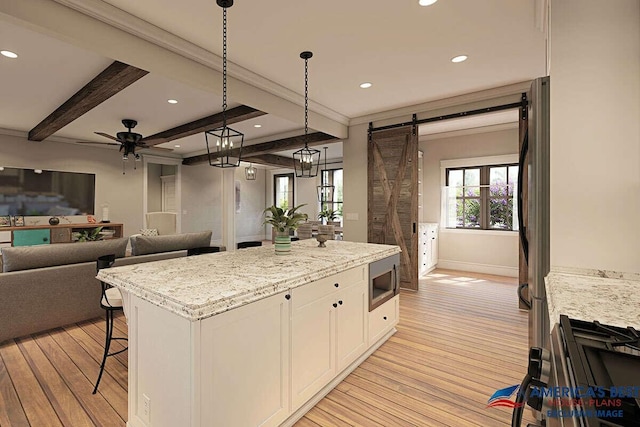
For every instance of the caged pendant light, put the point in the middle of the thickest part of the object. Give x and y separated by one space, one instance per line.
325 190
306 160
250 173
224 145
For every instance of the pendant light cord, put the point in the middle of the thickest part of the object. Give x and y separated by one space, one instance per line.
306 101
224 67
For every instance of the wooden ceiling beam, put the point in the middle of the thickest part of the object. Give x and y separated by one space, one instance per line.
234 115
110 81
292 143
271 160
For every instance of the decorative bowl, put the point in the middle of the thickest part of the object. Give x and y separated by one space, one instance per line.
321 238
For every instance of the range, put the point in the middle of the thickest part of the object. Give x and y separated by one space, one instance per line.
591 378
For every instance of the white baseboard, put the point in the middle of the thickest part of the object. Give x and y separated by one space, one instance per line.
498 270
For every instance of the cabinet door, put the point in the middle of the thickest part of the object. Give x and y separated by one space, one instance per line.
246 382
312 344
34 237
351 323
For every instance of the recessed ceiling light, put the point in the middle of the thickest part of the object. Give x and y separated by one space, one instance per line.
172 101
365 85
8 54
459 58
38 171
177 146
426 2
257 126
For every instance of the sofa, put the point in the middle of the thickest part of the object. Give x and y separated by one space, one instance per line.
48 286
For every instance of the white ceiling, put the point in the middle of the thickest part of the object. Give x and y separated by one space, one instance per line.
402 48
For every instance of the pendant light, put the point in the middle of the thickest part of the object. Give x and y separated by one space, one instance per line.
306 160
224 145
325 190
250 173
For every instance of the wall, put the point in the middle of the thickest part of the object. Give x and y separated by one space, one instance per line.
252 203
595 134
154 187
202 200
493 252
123 193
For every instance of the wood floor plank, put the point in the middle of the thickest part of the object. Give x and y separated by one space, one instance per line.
64 402
306 422
37 407
325 419
96 406
112 390
370 412
11 412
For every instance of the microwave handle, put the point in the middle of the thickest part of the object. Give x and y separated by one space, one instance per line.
395 280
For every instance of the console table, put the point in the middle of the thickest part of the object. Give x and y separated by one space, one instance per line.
46 234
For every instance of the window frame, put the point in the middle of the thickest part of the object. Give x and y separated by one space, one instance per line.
334 204
292 182
474 163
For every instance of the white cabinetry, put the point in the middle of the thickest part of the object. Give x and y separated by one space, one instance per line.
428 247
328 330
247 384
383 319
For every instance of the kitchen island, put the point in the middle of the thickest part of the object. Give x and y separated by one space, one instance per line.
248 338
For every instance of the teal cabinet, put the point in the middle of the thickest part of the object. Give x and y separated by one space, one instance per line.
40 236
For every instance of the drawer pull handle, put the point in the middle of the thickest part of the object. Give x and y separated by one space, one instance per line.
287 296
385 317
340 302
335 305
336 284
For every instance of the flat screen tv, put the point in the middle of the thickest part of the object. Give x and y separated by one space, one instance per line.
46 193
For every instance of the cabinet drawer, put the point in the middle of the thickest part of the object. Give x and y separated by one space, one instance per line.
5 236
31 237
308 293
60 235
383 318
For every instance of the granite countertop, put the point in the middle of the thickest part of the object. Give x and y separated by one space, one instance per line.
608 297
201 286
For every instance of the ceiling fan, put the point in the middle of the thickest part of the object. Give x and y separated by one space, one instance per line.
128 141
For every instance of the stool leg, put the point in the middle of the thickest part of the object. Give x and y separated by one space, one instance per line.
107 344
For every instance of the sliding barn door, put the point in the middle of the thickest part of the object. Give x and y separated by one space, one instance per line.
393 196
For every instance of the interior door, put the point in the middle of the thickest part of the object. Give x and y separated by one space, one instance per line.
393 196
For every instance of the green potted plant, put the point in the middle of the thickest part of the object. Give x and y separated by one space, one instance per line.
89 234
282 221
327 214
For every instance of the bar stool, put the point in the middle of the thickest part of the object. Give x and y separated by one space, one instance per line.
111 302
252 244
203 250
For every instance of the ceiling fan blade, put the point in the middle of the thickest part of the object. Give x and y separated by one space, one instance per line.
106 135
153 147
97 143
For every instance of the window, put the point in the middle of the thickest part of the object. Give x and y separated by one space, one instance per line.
333 177
283 190
482 197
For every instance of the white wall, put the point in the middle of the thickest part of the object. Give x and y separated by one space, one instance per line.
202 200
252 203
354 155
485 251
595 134
123 193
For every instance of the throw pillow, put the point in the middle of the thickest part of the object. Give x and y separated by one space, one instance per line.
149 231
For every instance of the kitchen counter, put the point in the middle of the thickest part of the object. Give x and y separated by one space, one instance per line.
201 286
609 297
248 338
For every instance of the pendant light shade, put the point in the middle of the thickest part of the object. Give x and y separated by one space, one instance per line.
250 173
224 145
306 160
325 190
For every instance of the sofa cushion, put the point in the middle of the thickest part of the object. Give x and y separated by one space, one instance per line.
29 257
143 245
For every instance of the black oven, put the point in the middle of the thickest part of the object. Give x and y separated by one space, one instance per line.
384 280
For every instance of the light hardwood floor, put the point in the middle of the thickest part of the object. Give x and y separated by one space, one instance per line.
460 337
